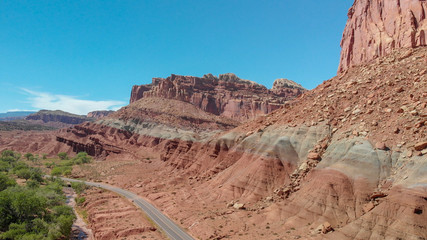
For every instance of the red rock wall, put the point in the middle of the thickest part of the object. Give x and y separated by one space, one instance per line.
376 27
236 100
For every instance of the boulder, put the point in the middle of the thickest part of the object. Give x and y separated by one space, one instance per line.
420 146
239 206
314 156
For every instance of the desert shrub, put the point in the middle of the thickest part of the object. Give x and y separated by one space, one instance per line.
80 200
36 175
78 187
50 165
67 172
56 171
82 157
33 184
62 155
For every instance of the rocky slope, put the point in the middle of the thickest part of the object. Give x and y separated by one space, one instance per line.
376 27
226 95
351 153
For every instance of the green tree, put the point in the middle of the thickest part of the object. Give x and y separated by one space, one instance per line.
62 155
4 166
6 181
8 153
19 165
24 173
82 157
29 156
37 175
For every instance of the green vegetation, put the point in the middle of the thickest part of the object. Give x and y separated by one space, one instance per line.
35 210
64 167
78 187
62 155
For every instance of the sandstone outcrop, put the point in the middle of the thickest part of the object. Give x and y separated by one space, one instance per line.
99 114
226 95
376 27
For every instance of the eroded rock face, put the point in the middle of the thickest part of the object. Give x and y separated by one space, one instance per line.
99 114
376 27
226 95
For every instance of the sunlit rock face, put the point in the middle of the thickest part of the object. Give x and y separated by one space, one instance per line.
376 27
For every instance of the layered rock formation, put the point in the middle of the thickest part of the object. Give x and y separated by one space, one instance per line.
226 95
99 114
57 119
146 122
376 27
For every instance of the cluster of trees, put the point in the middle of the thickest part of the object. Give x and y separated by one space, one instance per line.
65 166
36 210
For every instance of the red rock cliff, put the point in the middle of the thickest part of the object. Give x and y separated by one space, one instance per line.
226 95
376 27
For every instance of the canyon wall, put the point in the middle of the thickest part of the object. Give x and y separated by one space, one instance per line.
376 27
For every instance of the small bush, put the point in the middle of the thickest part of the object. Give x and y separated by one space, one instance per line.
62 155
79 187
80 200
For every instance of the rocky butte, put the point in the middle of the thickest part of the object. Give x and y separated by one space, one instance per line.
226 95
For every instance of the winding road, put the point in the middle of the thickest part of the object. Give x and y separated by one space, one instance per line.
171 229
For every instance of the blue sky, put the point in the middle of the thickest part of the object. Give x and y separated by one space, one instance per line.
79 56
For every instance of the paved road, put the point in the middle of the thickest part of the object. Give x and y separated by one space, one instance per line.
171 229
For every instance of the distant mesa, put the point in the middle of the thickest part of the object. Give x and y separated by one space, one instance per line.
15 115
57 118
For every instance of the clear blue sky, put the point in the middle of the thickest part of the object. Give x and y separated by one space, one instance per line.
80 55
